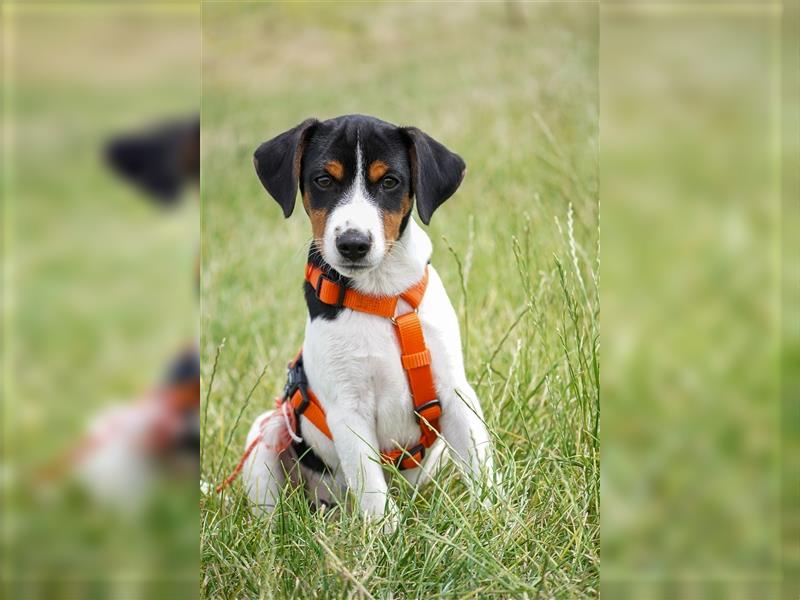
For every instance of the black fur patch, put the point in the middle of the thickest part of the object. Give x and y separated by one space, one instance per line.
437 172
161 160
184 368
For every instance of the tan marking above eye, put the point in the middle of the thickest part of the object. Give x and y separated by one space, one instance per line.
377 170
335 169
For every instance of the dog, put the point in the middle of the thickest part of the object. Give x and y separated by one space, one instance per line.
129 445
359 178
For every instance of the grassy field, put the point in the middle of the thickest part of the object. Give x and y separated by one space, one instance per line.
513 89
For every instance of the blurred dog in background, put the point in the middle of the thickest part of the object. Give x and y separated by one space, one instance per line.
128 445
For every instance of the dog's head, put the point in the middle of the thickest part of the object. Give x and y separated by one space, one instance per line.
159 160
358 177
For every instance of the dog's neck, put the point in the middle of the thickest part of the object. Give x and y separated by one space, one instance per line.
401 267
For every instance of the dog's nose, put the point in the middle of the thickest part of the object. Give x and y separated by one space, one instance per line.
353 244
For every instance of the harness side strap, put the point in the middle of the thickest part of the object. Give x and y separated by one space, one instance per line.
416 292
311 411
416 361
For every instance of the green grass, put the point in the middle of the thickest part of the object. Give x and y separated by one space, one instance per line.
516 96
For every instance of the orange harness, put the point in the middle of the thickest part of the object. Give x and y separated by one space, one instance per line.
414 355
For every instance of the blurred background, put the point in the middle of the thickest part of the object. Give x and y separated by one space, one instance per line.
99 296
698 164
695 110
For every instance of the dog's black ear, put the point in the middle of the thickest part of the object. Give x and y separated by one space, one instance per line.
436 171
159 160
277 163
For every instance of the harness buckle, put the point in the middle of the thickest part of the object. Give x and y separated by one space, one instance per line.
415 454
342 290
435 408
304 404
296 380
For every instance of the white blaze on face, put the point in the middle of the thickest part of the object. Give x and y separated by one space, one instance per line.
358 211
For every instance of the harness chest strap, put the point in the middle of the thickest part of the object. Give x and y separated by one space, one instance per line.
414 355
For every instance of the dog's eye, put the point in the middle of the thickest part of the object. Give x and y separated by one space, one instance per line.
389 182
323 181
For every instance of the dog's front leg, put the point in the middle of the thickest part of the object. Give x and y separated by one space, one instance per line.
465 432
356 444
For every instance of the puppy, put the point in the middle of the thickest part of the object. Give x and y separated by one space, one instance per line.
128 445
359 178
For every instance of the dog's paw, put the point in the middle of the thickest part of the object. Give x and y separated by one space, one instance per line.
383 513
391 521
496 490
488 491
